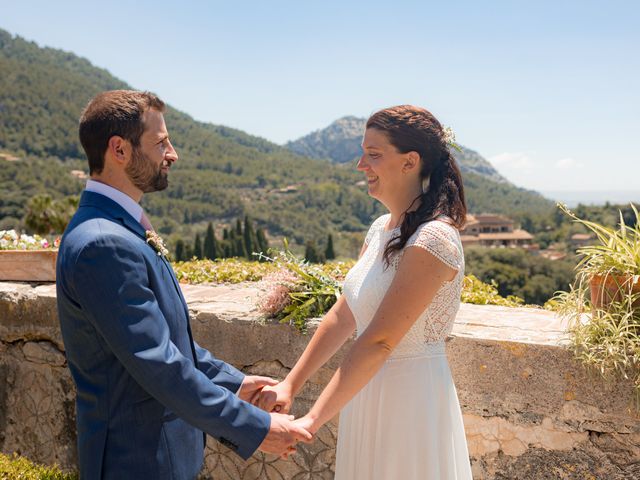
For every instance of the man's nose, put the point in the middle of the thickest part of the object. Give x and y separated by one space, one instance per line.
172 155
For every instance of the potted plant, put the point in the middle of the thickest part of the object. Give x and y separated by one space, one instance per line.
27 258
611 268
603 304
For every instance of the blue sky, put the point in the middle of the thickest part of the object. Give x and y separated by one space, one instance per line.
548 91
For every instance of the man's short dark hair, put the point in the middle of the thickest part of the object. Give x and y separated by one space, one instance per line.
116 112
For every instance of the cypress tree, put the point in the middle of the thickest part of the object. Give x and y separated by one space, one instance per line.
261 239
238 228
238 248
188 252
225 234
329 253
250 241
197 247
180 251
211 249
311 253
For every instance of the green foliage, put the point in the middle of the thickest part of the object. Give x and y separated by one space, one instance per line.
311 254
180 253
230 270
211 247
517 272
479 293
605 332
312 292
197 247
46 216
618 250
16 467
329 253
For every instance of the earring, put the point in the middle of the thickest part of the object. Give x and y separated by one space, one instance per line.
425 184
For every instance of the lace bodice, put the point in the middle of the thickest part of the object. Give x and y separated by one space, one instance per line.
367 282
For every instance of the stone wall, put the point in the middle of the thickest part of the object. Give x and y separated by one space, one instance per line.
530 410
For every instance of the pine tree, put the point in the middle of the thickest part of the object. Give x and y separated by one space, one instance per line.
180 251
197 247
329 253
211 249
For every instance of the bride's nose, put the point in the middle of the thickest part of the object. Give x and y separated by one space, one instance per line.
362 164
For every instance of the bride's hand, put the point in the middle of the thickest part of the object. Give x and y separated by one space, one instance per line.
276 398
308 424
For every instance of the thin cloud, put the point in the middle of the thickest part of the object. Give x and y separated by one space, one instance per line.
518 160
568 164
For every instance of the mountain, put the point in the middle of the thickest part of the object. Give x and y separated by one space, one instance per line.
222 173
340 143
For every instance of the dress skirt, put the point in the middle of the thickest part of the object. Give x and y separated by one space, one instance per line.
405 424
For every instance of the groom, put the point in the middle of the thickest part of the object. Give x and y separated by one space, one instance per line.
146 391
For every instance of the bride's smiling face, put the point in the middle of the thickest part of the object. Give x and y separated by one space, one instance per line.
383 164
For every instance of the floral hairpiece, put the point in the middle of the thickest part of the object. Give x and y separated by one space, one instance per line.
450 138
157 243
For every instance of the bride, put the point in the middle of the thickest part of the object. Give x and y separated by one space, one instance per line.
399 412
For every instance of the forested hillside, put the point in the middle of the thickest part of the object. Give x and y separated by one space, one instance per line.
222 174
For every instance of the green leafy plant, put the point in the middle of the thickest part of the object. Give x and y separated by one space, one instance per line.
17 467
304 292
602 306
477 292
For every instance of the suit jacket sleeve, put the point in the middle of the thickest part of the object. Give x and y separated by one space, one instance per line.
117 298
221 373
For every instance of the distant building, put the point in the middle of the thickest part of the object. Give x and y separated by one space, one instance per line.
582 239
489 230
79 174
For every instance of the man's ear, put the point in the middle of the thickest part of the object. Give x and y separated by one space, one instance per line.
118 149
411 161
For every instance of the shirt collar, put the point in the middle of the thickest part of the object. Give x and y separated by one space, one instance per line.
125 201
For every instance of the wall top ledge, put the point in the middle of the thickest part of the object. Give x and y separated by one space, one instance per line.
238 302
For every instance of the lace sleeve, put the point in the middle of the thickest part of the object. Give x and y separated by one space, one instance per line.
377 224
440 240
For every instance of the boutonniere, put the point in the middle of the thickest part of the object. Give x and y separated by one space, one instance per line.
157 243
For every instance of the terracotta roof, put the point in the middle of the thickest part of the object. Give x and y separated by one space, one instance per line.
582 236
518 234
487 218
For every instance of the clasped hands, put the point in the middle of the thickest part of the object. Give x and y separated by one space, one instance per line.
276 398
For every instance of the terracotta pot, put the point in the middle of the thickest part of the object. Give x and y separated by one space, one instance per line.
28 265
612 288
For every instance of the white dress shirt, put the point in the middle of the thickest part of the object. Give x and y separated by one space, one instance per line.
132 207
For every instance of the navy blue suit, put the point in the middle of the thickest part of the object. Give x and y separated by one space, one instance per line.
145 390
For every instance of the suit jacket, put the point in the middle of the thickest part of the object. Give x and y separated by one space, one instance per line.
145 389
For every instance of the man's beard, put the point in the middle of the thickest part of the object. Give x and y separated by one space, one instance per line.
143 175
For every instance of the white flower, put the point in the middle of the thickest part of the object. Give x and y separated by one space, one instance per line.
448 135
156 242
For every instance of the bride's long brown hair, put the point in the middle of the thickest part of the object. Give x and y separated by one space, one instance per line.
414 129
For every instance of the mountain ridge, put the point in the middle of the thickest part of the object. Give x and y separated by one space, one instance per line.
340 142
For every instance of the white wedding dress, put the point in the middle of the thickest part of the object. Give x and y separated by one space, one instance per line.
406 423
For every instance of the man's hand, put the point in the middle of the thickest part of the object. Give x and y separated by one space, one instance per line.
276 398
252 385
283 436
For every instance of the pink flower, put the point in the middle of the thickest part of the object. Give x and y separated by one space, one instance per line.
279 285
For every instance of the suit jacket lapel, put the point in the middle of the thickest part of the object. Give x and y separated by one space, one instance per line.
112 210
